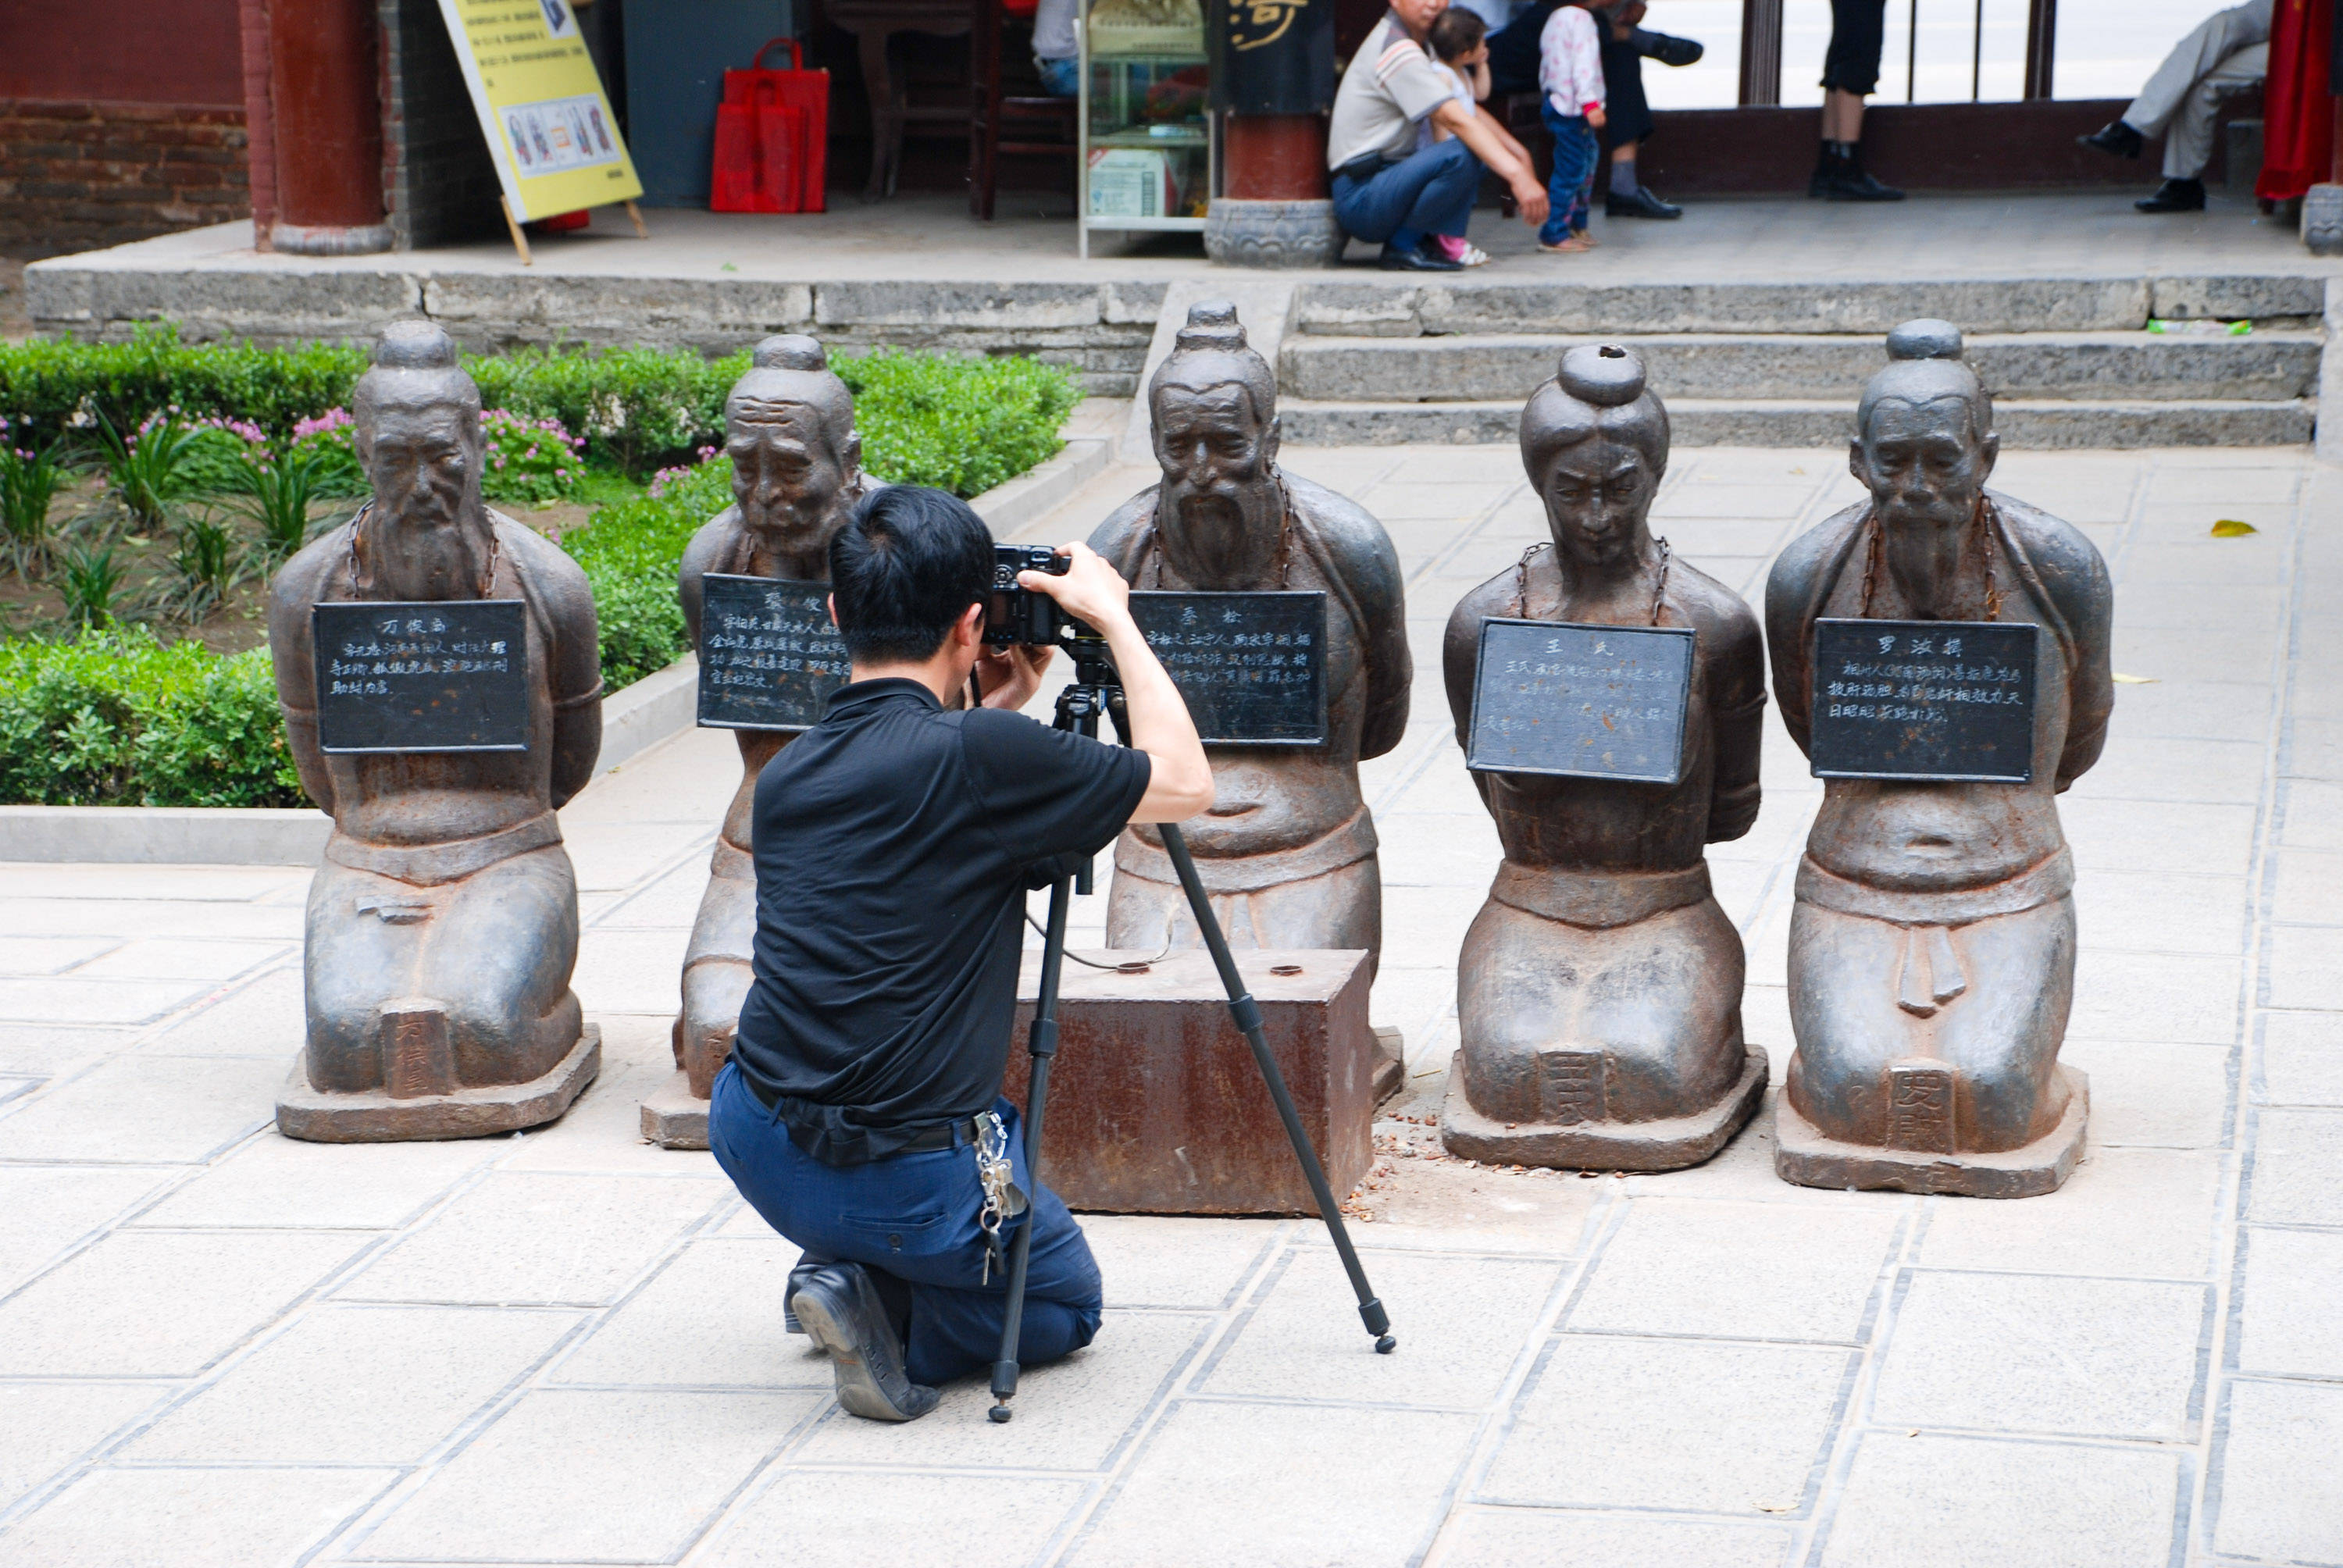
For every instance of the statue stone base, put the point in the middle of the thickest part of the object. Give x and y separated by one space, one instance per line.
674 1117
1274 233
1594 1141
1923 1091
417 1104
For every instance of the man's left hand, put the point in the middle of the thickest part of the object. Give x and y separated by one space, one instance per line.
1009 677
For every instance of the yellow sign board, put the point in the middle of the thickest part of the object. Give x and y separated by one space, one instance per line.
550 126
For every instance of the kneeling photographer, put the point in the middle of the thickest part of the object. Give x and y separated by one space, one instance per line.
895 841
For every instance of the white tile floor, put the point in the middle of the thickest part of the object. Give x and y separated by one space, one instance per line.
216 1346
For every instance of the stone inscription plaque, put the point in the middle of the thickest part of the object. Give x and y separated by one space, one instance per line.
768 656
1585 701
1250 665
1942 699
449 675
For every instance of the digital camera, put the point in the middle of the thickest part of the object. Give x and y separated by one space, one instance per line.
1015 616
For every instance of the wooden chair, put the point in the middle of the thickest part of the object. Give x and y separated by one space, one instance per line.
999 123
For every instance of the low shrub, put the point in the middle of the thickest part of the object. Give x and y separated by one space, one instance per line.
117 718
959 424
630 555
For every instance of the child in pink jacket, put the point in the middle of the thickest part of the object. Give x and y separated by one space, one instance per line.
1570 100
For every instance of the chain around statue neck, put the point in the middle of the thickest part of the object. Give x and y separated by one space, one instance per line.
1284 538
1982 532
1522 580
488 576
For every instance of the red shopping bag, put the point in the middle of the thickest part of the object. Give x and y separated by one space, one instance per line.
803 92
759 159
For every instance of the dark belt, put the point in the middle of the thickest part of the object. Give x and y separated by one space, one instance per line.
1366 165
926 1141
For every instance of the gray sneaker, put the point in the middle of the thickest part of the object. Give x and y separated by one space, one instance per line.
842 1313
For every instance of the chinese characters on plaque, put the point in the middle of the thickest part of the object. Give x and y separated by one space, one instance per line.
1923 700
449 675
1250 665
769 656
1587 701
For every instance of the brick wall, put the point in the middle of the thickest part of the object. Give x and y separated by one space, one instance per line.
438 182
78 175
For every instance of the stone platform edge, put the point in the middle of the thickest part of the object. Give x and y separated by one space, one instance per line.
635 718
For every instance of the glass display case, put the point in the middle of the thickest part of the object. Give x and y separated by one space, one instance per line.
1148 158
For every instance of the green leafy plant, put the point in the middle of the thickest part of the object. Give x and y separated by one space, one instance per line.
204 567
29 483
90 578
630 554
116 717
282 493
148 470
959 424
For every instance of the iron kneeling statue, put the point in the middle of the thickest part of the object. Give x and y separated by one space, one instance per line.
1932 944
1598 994
442 927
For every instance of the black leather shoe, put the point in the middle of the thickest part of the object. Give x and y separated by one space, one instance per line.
2116 138
1852 182
2174 195
1668 49
842 1313
1643 204
797 1276
1394 259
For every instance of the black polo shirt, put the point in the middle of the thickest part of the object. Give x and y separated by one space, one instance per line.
894 845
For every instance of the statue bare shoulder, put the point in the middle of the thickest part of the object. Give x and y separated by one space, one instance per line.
709 549
1790 589
1461 647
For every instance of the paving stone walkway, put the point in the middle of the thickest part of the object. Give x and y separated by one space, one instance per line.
564 1347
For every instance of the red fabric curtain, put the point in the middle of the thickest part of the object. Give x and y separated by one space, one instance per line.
2297 109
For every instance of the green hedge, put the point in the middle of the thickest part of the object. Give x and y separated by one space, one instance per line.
960 424
630 554
117 719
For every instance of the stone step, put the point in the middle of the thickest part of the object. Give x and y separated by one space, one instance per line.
1386 307
2133 366
2030 423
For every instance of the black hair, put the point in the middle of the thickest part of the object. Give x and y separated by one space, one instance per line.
1457 31
904 568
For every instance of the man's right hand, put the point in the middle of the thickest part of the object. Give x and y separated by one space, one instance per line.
1091 590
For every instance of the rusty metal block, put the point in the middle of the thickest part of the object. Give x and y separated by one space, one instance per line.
1155 1104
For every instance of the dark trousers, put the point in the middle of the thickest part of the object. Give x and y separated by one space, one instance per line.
1430 192
914 1217
1858 34
1513 50
1576 150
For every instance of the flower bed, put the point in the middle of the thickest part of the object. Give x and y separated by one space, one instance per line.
113 716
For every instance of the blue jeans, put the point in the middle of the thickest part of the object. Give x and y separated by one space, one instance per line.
1576 150
1430 192
914 1217
1059 78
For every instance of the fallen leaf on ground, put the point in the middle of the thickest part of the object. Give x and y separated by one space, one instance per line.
2230 528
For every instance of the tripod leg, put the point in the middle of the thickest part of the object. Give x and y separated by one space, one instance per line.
1041 1043
1247 1014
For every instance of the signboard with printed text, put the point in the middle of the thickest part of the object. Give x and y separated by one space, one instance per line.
1939 699
548 123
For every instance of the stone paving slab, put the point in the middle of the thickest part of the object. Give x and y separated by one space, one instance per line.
563 1346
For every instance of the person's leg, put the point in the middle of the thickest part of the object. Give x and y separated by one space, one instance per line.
2188 135
1444 204
1574 166
2195 57
956 1327
1397 206
1059 78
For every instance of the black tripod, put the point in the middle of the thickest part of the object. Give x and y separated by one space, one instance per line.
1097 690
